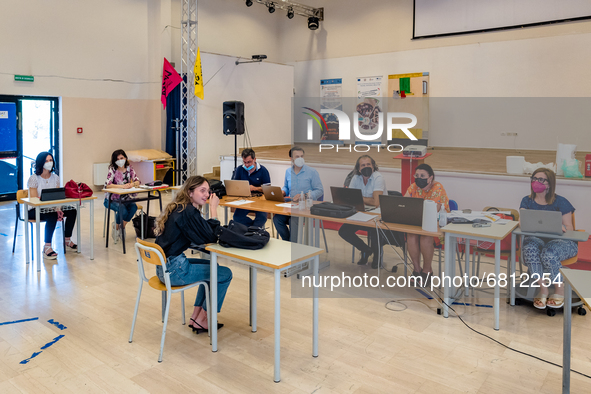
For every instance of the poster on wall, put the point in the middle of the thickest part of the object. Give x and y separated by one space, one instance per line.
410 93
331 91
369 101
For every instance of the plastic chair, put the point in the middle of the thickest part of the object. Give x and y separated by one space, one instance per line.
148 252
20 194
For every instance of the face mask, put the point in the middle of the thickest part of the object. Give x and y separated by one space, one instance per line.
366 171
299 162
422 182
48 165
248 168
120 163
538 187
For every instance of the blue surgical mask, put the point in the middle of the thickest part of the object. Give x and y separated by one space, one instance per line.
248 168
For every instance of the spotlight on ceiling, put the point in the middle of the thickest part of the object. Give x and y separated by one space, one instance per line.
248 3
290 13
313 23
271 8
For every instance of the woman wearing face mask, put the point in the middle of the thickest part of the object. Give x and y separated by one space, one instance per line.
367 178
426 188
46 178
120 176
181 224
544 256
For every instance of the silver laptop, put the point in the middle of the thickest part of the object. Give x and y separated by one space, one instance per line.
237 188
537 221
273 193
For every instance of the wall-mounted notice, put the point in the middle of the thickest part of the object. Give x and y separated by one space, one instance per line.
369 101
8 127
331 92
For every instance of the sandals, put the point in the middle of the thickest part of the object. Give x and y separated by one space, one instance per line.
199 329
541 300
558 301
49 253
415 274
72 245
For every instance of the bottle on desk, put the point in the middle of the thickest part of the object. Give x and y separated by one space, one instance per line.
302 202
309 201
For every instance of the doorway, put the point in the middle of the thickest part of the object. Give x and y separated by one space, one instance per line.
28 125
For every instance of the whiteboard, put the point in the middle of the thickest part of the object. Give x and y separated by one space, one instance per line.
447 17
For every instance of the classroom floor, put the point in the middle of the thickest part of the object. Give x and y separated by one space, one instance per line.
471 160
364 346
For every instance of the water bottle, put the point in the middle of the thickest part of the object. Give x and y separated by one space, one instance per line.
442 217
309 201
302 201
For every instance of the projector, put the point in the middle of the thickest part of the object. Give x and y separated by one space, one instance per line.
415 151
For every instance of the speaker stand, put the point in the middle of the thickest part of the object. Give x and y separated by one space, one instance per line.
235 152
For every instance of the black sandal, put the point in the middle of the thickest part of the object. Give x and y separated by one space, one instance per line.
51 255
200 328
72 245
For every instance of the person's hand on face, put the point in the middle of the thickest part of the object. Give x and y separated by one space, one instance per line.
201 194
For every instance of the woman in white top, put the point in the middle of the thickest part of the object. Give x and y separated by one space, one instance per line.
46 178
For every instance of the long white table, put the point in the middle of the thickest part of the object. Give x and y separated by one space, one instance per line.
277 256
38 205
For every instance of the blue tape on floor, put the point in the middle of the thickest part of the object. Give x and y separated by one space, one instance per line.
424 294
19 321
6 235
48 344
468 304
30 358
57 324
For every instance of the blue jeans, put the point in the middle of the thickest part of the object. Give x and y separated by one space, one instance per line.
260 218
127 210
541 257
184 271
281 222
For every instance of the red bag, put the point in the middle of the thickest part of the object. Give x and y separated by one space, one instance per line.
77 190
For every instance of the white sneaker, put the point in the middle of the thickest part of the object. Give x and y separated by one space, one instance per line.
115 233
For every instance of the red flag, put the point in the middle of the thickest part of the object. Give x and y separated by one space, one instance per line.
170 78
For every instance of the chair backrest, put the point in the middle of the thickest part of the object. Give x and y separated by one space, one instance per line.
20 194
394 193
348 178
453 205
146 251
514 212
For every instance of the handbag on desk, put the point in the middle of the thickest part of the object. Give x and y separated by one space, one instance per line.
237 235
77 190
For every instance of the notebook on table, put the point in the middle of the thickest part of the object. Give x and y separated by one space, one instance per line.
52 194
402 210
273 193
538 221
237 188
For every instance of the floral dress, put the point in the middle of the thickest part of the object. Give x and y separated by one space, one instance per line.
116 177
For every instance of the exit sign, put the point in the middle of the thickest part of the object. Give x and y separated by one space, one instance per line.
26 78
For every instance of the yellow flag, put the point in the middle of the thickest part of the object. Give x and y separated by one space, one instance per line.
198 76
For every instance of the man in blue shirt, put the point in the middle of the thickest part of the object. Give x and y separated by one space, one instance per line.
257 176
298 178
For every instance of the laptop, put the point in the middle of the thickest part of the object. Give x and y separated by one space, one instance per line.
348 196
58 193
402 210
537 221
237 188
273 193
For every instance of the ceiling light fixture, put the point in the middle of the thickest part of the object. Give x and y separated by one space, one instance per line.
313 23
290 13
314 15
271 7
248 3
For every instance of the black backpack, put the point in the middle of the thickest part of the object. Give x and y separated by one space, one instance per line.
237 235
332 210
217 187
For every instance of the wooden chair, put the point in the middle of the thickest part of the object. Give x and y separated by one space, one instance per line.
20 194
148 252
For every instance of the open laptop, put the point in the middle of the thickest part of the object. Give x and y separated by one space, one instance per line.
237 188
273 193
402 210
537 221
51 194
348 196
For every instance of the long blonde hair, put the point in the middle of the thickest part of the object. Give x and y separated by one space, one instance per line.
181 200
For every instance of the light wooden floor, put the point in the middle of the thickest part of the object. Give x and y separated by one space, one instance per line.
364 347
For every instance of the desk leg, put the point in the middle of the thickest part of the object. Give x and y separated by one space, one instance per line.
121 221
300 239
38 236
467 268
253 299
78 231
317 235
27 240
226 215
159 199
92 229
316 264
497 305
213 285
566 337
108 221
447 261
511 273
277 374
310 227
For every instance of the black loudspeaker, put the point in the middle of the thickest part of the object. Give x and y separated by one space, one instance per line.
233 117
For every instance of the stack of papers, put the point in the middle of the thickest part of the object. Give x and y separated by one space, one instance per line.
362 217
287 205
239 202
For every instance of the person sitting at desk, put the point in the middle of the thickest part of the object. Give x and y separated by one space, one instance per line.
367 178
426 188
120 176
298 178
544 256
257 176
45 178
182 224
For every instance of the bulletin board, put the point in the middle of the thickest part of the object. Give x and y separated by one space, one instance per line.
410 93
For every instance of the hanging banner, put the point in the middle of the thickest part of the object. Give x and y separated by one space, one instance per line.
369 98
331 91
170 78
198 76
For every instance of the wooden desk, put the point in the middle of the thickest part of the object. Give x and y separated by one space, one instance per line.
276 256
38 205
580 282
495 233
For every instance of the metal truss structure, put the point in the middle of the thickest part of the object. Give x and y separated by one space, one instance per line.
187 160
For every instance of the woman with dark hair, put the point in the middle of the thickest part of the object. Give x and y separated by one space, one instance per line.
182 224
46 178
427 188
120 176
367 178
544 256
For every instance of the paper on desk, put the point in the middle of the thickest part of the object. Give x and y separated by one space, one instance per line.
239 202
287 205
474 215
361 217
131 189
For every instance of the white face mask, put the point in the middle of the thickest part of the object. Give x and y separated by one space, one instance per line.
48 165
299 162
120 163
